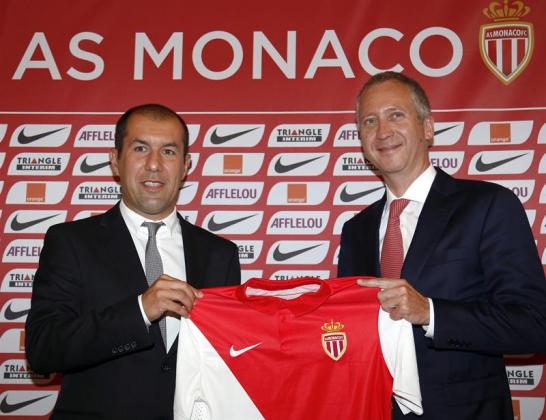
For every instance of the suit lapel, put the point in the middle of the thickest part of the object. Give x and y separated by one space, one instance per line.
191 254
432 222
119 250
370 245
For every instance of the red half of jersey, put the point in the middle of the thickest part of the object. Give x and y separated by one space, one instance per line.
294 349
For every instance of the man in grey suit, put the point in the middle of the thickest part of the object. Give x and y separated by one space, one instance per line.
471 282
94 315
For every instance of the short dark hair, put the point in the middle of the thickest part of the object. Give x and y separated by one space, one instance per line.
154 111
418 95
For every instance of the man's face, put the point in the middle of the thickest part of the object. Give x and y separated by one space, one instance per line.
151 165
393 137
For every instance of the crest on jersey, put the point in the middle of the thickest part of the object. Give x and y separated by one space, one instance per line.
334 341
506 45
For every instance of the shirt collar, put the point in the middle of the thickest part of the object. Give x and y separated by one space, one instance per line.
418 189
133 220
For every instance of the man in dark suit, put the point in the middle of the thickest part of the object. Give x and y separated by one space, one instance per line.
471 282
94 317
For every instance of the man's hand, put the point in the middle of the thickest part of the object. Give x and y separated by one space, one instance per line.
168 295
400 300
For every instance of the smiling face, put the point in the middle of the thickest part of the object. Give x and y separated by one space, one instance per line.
151 165
392 135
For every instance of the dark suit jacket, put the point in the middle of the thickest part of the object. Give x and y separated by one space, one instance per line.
473 253
85 320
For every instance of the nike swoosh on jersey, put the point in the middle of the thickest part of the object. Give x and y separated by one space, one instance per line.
214 227
17 226
24 139
281 169
443 130
6 407
347 197
237 353
481 166
278 255
87 168
216 139
11 315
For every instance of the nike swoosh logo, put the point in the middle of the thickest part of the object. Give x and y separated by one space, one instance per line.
24 139
11 315
6 407
216 139
214 227
17 226
281 169
481 166
283 256
443 130
237 353
87 168
347 197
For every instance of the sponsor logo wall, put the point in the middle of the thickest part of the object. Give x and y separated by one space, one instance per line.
276 162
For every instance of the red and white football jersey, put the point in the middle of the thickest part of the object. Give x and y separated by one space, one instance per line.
294 349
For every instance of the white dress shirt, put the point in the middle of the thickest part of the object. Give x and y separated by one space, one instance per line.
171 248
417 194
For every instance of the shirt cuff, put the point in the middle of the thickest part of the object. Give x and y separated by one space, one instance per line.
146 320
430 327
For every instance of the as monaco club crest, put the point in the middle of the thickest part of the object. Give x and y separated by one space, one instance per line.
334 341
506 46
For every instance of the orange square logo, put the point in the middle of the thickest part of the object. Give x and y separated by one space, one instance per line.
500 133
233 164
296 193
22 340
36 192
517 410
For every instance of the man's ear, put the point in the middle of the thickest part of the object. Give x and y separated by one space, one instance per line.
428 127
114 161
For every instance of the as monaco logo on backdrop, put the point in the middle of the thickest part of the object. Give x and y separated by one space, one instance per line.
233 164
299 135
27 403
525 377
40 135
447 133
501 162
29 192
500 132
33 221
234 135
30 164
95 135
298 164
17 371
93 164
506 46
18 280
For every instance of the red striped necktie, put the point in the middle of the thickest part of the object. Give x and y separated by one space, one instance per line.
392 253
